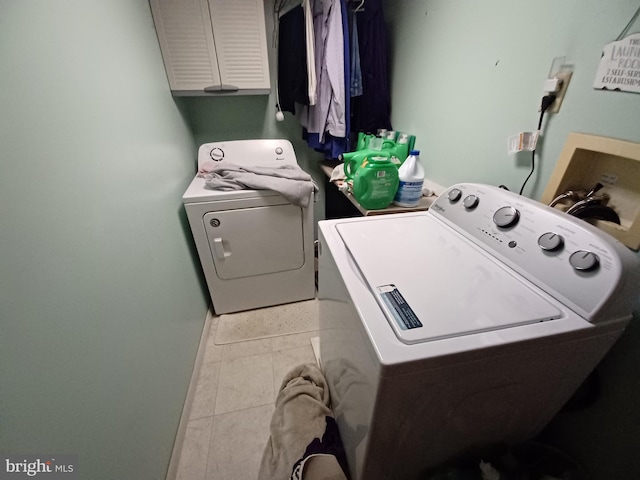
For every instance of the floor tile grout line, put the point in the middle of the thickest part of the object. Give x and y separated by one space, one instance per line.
217 382
223 360
209 445
264 338
242 359
273 378
243 409
244 356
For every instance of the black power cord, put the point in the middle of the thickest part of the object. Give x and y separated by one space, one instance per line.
547 101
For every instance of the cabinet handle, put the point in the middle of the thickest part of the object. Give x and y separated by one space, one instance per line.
221 88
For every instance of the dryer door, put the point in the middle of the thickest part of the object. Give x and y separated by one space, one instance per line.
255 241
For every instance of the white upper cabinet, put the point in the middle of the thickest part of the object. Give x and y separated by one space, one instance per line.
213 46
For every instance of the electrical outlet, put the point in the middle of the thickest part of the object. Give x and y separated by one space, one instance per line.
565 77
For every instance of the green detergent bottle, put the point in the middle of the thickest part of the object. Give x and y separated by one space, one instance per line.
375 183
353 160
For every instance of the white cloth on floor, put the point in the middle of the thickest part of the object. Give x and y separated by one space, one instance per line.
288 180
304 442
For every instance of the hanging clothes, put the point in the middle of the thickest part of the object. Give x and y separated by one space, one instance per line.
372 110
356 72
293 80
326 125
328 115
311 56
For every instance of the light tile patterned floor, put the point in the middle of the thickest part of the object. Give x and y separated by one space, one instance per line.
229 422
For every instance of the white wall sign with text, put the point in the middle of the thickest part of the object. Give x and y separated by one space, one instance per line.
619 67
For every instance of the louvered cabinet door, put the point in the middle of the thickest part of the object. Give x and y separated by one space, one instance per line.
213 46
186 41
240 39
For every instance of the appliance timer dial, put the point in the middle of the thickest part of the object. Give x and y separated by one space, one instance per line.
506 217
216 154
550 241
584 261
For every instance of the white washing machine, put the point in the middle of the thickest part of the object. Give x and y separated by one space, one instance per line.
256 248
470 325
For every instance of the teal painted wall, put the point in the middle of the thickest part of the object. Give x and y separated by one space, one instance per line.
101 301
467 75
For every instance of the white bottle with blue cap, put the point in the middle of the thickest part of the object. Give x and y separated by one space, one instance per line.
411 176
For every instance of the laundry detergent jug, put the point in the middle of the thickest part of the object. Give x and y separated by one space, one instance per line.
353 160
375 183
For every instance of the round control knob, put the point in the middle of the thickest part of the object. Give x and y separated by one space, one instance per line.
584 261
454 195
506 217
470 202
279 150
550 241
216 154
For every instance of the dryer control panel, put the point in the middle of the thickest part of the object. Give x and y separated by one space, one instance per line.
255 153
568 258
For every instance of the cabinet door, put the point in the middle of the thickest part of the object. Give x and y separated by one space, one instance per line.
186 40
240 40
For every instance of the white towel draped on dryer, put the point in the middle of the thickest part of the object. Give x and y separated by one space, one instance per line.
290 181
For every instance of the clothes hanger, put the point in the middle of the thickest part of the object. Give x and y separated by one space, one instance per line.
360 7
280 7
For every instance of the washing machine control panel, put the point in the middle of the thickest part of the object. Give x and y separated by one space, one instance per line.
561 254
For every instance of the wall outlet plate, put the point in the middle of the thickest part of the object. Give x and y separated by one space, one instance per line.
565 76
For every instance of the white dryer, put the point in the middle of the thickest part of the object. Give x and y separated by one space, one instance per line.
470 325
255 247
